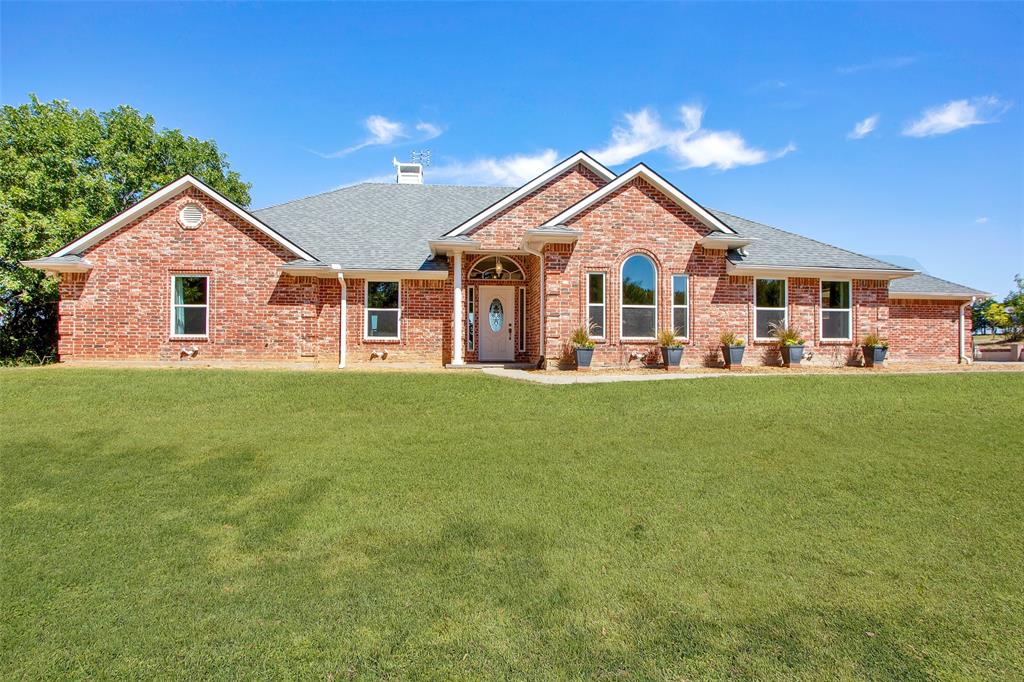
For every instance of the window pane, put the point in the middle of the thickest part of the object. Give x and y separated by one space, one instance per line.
596 315
596 288
638 281
382 323
771 293
765 319
382 294
835 324
679 322
835 294
190 290
638 322
189 320
680 284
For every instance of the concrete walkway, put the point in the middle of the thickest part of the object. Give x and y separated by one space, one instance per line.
572 377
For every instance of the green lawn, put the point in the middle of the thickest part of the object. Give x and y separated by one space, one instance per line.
328 525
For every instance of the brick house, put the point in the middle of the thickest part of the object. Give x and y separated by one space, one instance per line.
433 274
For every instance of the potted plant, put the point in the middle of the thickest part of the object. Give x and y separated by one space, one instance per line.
874 348
583 347
791 344
732 348
671 349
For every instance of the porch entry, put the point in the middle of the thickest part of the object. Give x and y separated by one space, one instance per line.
497 322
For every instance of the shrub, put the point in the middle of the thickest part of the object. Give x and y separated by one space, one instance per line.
581 337
667 339
787 336
731 339
873 340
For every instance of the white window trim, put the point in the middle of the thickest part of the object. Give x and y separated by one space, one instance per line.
623 306
822 309
175 306
784 308
368 310
521 319
604 298
672 320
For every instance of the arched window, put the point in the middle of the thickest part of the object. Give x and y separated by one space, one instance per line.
496 267
639 298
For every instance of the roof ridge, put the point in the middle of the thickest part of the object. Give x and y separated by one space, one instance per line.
317 194
816 241
378 184
946 281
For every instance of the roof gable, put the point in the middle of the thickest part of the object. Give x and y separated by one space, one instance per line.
659 183
580 157
158 197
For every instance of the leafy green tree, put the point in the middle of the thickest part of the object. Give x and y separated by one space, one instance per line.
979 321
1013 307
62 173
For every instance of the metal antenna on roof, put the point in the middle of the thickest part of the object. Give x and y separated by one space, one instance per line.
421 157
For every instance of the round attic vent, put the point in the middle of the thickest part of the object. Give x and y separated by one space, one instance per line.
190 216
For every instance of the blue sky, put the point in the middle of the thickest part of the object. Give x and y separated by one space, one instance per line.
883 128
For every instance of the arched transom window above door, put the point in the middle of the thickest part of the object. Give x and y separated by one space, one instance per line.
496 267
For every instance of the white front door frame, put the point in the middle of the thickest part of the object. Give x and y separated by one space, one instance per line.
497 346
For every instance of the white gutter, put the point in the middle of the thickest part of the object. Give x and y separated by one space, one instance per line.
342 322
963 337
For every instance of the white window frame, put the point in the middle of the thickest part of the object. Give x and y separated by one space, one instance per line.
521 319
604 299
672 319
822 309
367 310
471 318
623 306
784 308
175 306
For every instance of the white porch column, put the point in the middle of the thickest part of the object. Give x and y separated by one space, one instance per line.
342 321
457 344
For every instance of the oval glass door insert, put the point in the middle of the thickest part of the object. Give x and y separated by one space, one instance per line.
496 315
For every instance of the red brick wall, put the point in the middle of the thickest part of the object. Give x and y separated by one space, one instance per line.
122 308
927 330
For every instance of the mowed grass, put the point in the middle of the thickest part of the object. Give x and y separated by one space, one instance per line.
332 525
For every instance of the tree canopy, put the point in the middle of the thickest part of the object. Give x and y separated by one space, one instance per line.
65 171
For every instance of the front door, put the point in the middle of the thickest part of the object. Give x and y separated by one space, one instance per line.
496 319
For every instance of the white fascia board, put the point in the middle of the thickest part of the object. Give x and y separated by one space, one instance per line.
386 275
163 194
713 242
49 266
553 172
933 296
740 270
659 182
447 246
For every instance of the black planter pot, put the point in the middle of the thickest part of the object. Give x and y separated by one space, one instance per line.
733 355
584 356
672 357
874 355
792 355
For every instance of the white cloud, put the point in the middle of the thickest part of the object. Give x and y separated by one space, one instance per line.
982 220
511 170
429 130
691 145
959 113
885 64
382 131
863 128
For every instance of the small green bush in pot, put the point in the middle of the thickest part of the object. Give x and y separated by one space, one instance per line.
791 344
583 347
875 349
671 349
732 348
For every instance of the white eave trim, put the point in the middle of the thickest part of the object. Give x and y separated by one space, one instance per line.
162 195
49 266
659 182
717 240
553 172
390 274
935 296
741 270
539 236
446 246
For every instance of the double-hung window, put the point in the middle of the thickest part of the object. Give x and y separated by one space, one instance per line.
639 318
681 306
835 311
191 312
769 306
595 304
383 310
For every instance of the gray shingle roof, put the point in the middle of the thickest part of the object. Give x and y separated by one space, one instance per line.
775 247
378 226
375 226
926 284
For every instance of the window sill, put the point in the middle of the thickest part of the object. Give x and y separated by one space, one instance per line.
188 337
382 339
638 339
836 342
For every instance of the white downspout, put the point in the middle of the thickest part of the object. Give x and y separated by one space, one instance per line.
963 335
457 345
342 322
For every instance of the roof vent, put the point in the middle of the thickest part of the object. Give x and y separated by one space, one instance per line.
190 216
407 173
